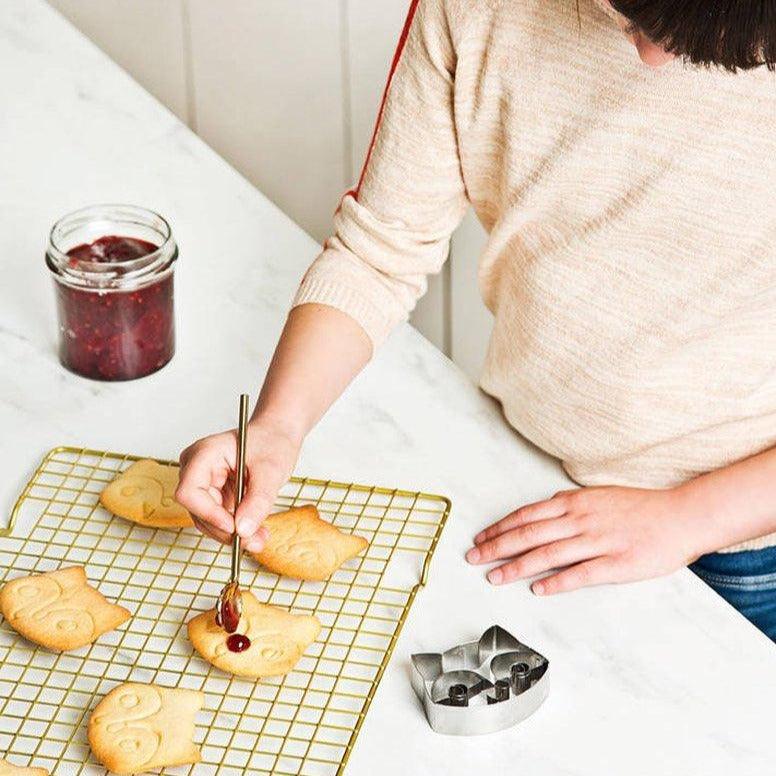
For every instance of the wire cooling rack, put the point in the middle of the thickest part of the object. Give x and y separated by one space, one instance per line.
302 724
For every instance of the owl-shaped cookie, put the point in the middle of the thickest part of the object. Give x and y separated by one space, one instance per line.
303 546
6 769
59 609
278 639
144 494
140 727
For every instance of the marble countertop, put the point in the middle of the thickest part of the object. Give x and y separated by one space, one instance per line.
660 677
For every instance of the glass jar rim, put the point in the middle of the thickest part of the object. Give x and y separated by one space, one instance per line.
116 276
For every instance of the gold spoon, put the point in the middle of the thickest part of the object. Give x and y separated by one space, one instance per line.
229 604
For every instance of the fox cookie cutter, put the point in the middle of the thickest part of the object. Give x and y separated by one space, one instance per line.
481 686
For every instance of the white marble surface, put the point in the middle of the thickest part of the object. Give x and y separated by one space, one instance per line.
656 678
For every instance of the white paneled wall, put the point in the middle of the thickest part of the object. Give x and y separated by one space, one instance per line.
373 31
146 37
268 96
470 322
287 91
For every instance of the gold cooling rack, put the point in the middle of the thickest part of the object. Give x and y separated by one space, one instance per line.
305 723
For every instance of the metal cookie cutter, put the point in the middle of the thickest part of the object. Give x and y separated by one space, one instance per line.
481 686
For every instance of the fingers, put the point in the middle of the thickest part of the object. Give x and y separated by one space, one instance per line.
541 510
206 460
227 496
204 472
253 510
265 480
258 540
550 556
520 540
592 572
218 497
204 507
255 545
211 531
207 487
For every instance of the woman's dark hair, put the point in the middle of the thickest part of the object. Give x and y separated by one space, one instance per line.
734 34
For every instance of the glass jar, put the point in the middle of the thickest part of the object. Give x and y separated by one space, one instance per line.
112 267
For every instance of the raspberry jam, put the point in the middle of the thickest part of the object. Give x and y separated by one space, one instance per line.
229 619
114 291
111 249
237 643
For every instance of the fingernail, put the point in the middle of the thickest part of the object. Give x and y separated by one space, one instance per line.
495 577
538 588
246 529
473 555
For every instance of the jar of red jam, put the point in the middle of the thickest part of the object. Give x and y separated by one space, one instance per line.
113 276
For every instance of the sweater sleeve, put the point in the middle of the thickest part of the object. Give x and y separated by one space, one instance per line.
394 229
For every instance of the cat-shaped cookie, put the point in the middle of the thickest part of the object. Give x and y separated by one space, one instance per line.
144 494
139 727
59 610
303 546
6 769
278 639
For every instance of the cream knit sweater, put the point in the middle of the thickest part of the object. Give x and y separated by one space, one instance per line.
631 260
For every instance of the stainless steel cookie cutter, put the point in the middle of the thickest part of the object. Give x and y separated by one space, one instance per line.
481 686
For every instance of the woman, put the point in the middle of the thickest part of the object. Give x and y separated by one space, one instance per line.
630 267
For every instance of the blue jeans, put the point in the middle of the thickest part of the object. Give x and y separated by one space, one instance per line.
746 580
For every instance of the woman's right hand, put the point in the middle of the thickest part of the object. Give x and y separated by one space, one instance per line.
320 351
207 480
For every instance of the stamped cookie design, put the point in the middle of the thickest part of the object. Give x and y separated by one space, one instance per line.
59 610
277 639
6 769
303 546
144 494
139 727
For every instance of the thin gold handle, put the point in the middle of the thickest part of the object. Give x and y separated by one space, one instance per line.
242 433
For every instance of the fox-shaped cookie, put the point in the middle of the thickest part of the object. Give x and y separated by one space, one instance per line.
7 769
139 727
59 610
303 546
145 494
278 639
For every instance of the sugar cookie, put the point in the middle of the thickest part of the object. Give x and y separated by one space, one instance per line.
139 727
6 769
144 494
59 609
303 546
278 639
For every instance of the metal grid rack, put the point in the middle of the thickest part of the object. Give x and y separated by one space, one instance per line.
302 724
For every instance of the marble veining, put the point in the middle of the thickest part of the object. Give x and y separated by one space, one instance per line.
651 679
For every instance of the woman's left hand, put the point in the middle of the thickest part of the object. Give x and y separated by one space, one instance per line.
594 535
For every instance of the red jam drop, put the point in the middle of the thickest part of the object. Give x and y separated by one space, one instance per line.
237 643
229 619
116 335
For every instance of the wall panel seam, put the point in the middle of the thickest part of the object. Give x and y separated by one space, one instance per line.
188 67
347 97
